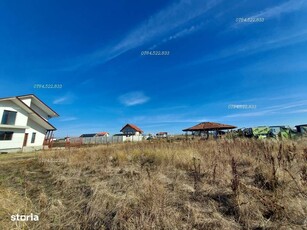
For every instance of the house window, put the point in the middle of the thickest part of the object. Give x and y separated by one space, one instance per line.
8 117
33 137
6 136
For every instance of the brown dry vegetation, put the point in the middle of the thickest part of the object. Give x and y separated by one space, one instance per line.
228 184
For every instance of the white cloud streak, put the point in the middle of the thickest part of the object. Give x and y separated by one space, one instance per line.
274 12
66 99
275 42
165 119
65 119
167 21
287 7
60 100
273 110
133 98
186 31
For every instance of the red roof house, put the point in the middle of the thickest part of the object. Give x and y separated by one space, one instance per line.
102 134
130 129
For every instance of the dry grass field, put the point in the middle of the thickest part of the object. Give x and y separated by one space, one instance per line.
225 184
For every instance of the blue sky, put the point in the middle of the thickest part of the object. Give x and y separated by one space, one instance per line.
93 48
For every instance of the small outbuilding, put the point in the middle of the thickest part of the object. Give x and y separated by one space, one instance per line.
161 134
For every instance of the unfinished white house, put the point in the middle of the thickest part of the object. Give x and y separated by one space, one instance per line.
131 130
132 133
24 124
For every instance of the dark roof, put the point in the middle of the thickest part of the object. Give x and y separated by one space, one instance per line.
207 126
119 135
301 125
161 133
88 135
133 127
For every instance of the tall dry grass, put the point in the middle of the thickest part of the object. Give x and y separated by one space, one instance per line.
225 184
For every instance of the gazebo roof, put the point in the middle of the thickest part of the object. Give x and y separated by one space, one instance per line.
209 126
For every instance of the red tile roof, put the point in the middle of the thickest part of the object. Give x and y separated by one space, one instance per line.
102 133
207 126
133 127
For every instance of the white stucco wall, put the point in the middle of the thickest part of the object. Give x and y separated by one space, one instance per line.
40 133
21 116
39 111
16 142
18 134
133 138
27 101
23 124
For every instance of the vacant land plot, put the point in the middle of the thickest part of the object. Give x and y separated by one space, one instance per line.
225 184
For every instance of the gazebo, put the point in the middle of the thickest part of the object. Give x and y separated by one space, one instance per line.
204 128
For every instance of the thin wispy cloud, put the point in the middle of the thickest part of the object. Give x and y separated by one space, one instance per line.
297 111
184 32
133 98
257 100
60 100
165 21
65 119
63 100
274 12
165 118
283 8
249 48
273 110
286 64
168 21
